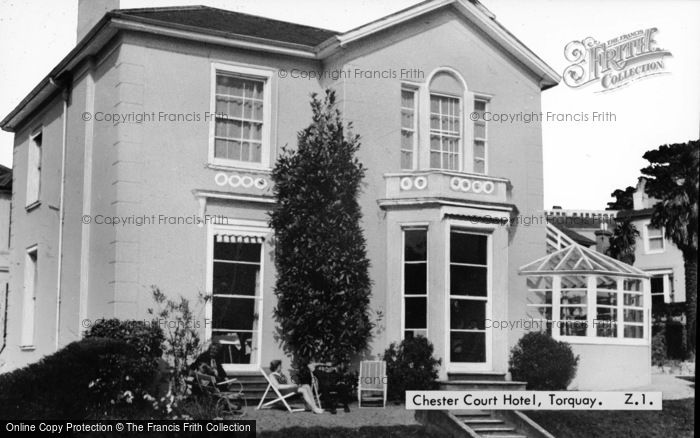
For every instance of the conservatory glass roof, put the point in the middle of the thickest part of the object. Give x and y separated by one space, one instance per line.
577 259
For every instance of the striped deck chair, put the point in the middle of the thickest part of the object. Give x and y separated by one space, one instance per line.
372 380
280 398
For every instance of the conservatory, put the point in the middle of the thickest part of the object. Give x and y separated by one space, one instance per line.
601 307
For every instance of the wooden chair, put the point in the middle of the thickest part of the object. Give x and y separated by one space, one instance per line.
372 379
231 402
280 398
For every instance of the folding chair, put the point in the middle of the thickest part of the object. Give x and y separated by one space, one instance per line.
280 398
227 401
372 379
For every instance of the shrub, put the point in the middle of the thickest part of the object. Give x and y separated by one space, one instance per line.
87 379
410 366
542 362
146 338
658 349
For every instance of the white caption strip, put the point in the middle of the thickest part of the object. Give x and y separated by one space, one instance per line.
534 400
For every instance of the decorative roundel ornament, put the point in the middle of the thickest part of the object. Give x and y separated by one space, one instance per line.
477 186
247 182
455 183
234 181
260 183
465 185
420 183
406 183
488 187
221 179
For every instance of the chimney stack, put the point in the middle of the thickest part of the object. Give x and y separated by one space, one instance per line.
602 238
92 11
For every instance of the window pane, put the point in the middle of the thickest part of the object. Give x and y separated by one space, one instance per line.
416 311
233 313
633 300
415 242
479 130
242 252
235 279
607 298
468 248
415 278
654 232
633 315
479 149
574 321
468 280
657 284
573 297
467 347
539 297
479 106
655 244
234 352
468 314
606 322
479 166
407 98
406 160
632 285
634 331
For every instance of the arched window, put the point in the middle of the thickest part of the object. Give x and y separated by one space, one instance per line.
446 130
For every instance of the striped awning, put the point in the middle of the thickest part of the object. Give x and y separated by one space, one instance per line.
238 238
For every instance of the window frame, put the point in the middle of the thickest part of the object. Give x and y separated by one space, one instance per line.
31 269
34 164
648 238
667 277
414 152
404 329
462 127
241 227
487 101
591 336
251 73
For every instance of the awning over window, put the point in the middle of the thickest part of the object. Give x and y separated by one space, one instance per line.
237 238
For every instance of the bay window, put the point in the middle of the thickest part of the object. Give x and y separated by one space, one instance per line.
415 282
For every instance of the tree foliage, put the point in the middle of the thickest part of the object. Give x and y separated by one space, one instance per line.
623 242
673 180
323 285
623 199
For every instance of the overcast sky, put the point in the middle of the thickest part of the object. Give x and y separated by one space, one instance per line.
584 162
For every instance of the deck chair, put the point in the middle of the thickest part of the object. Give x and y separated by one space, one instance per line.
280 398
231 402
372 379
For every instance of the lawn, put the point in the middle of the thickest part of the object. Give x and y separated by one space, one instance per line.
675 420
346 432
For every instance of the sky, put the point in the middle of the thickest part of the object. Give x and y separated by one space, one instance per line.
583 161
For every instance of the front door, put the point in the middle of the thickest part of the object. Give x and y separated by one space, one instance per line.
469 343
237 299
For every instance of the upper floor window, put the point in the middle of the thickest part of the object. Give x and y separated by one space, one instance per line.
409 129
34 169
446 128
654 241
242 110
480 135
445 132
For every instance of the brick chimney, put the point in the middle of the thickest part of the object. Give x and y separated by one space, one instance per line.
602 238
90 12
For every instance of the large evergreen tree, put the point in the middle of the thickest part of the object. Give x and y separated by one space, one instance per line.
673 180
323 285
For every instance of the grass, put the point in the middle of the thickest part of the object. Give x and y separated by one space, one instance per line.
344 432
676 420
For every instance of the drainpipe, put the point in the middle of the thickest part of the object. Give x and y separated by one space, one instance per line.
66 95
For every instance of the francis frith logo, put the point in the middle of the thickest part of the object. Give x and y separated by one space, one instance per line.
614 63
